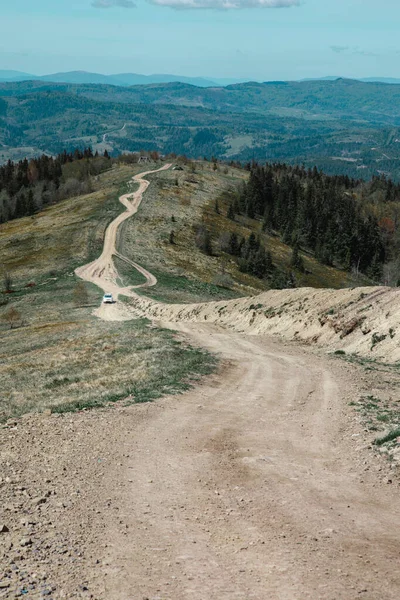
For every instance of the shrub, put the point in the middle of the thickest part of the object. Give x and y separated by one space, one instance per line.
203 240
392 435
80 294
13 318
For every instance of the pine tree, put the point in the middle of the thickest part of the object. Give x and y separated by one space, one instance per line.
297 261
20 206
259 264
231 213
233 245
291 280
30 204
203 240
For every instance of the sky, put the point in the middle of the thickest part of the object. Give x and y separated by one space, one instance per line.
260 40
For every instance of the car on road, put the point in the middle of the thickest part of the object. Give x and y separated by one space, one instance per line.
108 299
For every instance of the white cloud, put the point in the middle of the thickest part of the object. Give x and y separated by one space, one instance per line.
339 49
352 50
111 3
226 4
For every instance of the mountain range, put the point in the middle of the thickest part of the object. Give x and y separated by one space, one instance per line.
121 79
130 79
343 126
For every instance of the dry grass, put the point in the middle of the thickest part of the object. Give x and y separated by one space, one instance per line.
78 364
175 202
184 273
62 357
64 235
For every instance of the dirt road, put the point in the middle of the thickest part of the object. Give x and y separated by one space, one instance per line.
250 487
102 271
256 485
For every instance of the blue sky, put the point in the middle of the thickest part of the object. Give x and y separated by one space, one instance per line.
251 39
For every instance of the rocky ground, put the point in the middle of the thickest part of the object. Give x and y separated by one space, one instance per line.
55 506
84 494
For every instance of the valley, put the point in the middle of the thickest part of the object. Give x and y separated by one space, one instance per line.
343 126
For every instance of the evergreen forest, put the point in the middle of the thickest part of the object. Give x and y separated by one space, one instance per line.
344 222
28 186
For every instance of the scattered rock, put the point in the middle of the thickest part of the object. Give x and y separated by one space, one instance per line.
25 541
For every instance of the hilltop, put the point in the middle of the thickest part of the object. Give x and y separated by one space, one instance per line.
39 253
168 496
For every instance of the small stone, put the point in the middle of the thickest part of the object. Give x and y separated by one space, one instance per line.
4 585
26 541
38 501
3 528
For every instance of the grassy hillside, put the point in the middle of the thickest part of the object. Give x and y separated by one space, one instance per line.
55 354
341 126
183 201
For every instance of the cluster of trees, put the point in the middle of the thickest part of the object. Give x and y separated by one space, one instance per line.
29 185
252 256
325 214
254 259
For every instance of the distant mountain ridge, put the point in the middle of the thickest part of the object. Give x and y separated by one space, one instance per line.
130 79
121 79
389 80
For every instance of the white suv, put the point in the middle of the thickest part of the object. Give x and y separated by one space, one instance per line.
108 299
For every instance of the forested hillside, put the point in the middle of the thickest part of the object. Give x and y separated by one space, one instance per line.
30 185
343 127
343 222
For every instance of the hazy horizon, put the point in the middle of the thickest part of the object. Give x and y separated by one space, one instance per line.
191 76
242 39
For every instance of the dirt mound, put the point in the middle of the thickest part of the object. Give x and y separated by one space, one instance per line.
362 321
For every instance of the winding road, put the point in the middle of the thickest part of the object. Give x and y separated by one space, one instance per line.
251 486
113 131
102 271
